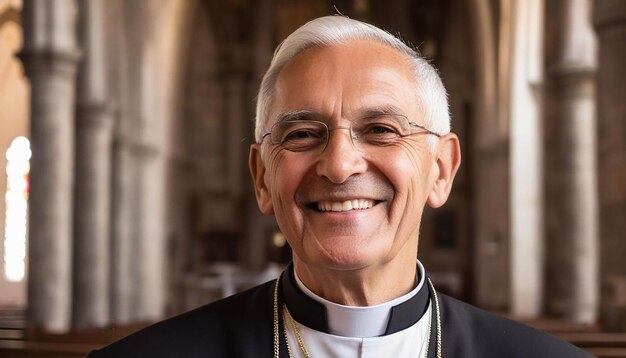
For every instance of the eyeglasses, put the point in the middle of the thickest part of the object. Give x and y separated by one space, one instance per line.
298 135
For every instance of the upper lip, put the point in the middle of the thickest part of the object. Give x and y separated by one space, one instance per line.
355 189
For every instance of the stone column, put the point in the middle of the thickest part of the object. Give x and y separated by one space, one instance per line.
256 223
124 32
490 155
232 62
150 265
573 259
50 57
123 215
152 110
526 166
93 161
610 24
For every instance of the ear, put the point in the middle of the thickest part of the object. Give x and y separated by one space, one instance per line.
257 170
448 162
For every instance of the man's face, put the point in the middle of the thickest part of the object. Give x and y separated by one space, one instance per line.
381 191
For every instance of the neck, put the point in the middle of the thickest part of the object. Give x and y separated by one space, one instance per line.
362 287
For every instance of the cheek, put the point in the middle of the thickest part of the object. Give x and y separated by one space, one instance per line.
284 175
408 170
408 173
287 175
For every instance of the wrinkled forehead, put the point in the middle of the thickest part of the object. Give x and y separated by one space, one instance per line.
341 81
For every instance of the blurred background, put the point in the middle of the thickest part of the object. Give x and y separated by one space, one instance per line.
125 127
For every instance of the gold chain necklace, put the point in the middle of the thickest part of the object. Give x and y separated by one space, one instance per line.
296 330
305 351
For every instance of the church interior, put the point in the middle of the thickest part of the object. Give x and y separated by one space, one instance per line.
126 197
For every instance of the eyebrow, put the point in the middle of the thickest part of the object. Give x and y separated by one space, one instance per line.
296 115
367 112
378 111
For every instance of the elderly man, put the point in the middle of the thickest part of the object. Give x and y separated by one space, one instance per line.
353 140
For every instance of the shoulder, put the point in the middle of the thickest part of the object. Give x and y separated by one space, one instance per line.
228 327
468 329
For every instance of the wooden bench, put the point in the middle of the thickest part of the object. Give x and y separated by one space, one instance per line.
607 352
595 339
98 336
32 343
12 324
16 340
587 337
556 326
11 334
11 349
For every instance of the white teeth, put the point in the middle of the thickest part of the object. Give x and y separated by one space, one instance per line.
355 204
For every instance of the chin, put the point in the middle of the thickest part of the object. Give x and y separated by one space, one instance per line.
346 258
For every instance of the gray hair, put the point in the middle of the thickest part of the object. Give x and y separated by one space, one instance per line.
337 30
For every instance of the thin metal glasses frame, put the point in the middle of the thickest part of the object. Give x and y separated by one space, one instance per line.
326 137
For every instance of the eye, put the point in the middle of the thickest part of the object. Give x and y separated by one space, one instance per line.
301 135
378 133
379 129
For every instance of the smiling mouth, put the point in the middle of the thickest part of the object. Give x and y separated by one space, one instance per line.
346 205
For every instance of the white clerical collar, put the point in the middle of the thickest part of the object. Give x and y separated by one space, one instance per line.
369 321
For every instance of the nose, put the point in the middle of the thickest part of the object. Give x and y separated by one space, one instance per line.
340 159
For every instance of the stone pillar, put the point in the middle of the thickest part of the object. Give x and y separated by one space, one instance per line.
50 57
235 112
123 215
92 186
490 156
572 292
526 165
256 223
150 265
152 110
124 43
610 24
232 63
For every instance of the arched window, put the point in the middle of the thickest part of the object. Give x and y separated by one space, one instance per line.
16 199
